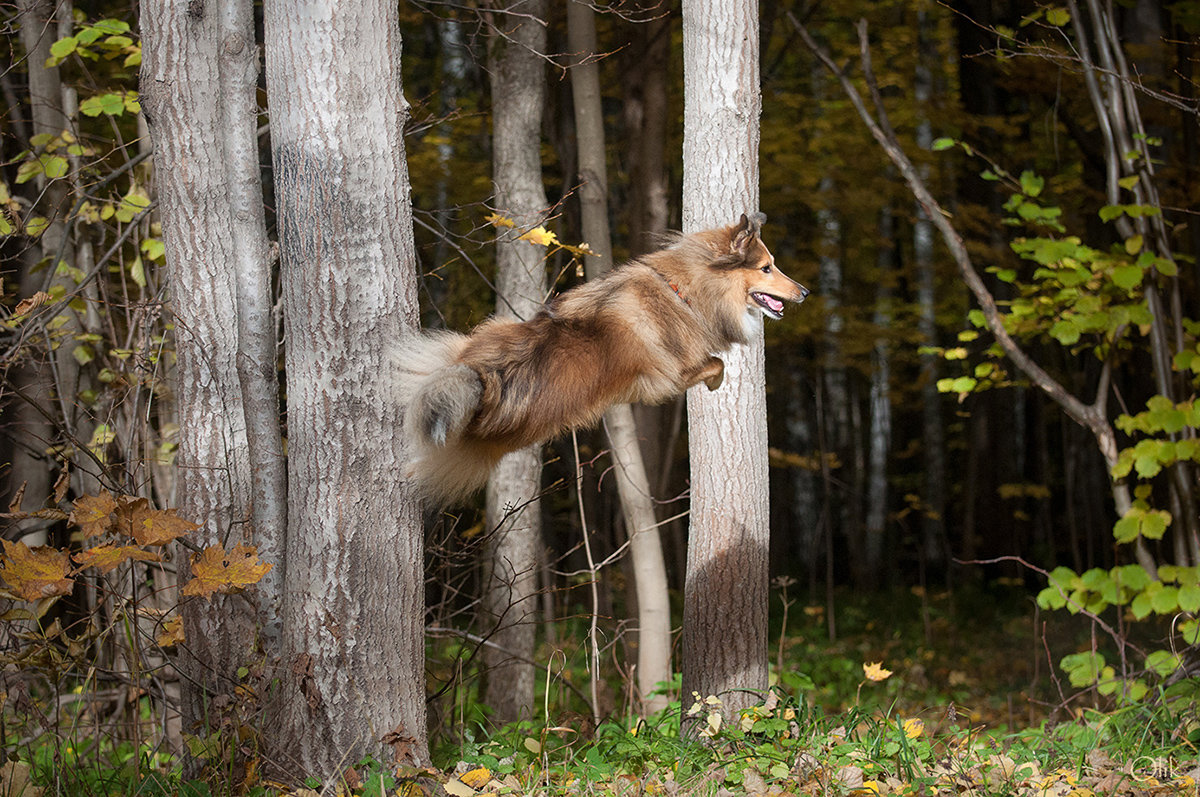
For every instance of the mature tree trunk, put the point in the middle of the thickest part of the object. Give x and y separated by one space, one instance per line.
46 380
514 512
933 434
879 435
180 84
725 598
633 486
353 610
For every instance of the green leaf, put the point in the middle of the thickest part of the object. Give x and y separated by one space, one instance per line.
1110 212
1065 331
133 59
1154 524
1166 600
1141 606
54 166
1031 183
153 248
1189 598
111 26
83 354
111 104
1127 276
137 272
1126 529
36 226
1133 244
1058 16
1166 266
1128 182
940 144
64 47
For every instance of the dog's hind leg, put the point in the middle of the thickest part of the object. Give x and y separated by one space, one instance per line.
445 404
712 374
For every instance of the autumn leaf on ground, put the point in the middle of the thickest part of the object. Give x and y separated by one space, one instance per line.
94 513
36 573
172 633
107 557
151 526
217 571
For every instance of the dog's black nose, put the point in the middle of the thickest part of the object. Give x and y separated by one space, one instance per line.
803 292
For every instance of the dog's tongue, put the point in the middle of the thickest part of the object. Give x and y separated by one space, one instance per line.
773 303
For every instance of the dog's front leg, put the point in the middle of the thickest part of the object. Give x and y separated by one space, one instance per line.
712 374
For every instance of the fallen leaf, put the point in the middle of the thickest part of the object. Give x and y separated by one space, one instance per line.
36 573
93 514
216 571
107 557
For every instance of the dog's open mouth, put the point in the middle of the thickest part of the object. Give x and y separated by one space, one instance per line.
769 304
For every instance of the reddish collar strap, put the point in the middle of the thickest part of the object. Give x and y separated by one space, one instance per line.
678 292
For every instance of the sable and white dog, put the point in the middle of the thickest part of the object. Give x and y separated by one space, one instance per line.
645 332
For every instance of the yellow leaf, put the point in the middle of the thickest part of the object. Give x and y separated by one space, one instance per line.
496 220
151 526
107 557
217 571
36 573
476 778
172 633
539 236
1133 244
533 745
875 672
93 513
914 728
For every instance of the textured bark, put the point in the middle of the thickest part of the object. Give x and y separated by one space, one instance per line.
257 358
353 611
725 598
181 52
633 486
518 83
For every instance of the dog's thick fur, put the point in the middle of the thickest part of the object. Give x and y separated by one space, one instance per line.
647 331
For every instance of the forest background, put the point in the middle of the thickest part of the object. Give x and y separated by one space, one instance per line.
911 454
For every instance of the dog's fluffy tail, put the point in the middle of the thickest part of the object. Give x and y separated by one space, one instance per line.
440 396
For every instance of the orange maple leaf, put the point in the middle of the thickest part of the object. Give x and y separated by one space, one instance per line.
36 573
149 526
93 514
217 571
107 557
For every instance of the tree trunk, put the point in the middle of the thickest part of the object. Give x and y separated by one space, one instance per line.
518 84
725 597
353 610
879 436
633 486
180 81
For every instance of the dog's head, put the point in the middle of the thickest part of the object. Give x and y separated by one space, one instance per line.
766 287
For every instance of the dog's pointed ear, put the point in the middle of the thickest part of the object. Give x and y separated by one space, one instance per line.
746 231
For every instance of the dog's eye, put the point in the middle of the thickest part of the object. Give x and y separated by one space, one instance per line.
766 269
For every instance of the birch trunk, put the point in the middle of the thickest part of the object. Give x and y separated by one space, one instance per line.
725 597
353 612
633 486
180 81
518 85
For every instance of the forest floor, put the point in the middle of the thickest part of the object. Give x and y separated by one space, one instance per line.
917 693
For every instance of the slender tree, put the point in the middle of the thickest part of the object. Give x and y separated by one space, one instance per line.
516 46
353 610
725 597
633 485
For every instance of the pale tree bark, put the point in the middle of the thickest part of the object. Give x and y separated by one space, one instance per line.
725 597
179 86
47 380
353 612
257 358
633 486
518 81
879 434
933 434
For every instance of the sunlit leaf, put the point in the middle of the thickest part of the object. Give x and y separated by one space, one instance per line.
217 571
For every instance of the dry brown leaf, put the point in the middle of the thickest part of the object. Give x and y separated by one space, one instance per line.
36 573
14 506
149 526
31 303
93 514
107 557
216 571
172 633
62 484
